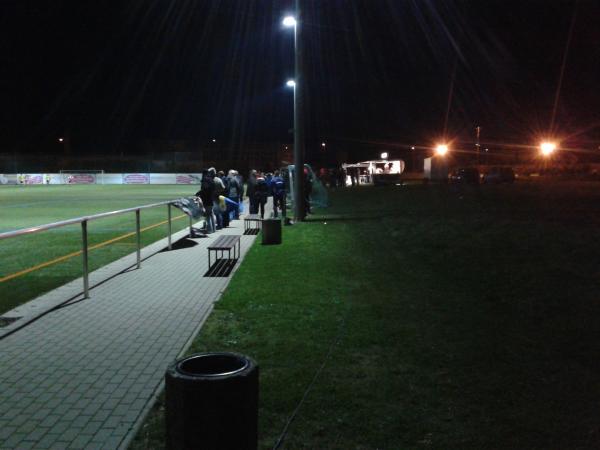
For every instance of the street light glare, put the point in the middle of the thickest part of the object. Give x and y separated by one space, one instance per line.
289 21
290 83
323 144
547 148
384 155
441 149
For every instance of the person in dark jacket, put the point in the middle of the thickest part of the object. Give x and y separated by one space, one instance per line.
225 212
206 193
250 192
261 192
278 192
234 192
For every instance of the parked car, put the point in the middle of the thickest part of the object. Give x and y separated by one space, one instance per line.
499 175
466 175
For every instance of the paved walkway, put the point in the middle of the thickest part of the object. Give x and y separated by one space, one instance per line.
84 375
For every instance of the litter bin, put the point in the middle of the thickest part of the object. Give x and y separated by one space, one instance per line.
271 231
211 402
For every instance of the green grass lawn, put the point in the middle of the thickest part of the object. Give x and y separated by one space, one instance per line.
445 317
26 206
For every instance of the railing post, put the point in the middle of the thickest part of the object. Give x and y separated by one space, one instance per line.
191 229
138 238
169 227
84 254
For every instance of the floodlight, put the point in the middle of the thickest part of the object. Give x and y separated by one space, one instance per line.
289 21
547 148
441 149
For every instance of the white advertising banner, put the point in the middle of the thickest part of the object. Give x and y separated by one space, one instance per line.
8 178
113 178
162 178
136 178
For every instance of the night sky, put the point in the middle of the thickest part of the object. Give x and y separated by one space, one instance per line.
378 71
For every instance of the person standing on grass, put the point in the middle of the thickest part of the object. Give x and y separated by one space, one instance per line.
261 192
278 192
250 190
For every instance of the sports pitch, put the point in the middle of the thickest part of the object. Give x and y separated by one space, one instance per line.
54 255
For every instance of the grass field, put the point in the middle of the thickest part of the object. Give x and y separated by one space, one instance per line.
455 318
26 206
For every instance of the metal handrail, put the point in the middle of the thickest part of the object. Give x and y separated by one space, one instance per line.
85 219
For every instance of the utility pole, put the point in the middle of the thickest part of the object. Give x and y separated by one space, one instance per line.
299 207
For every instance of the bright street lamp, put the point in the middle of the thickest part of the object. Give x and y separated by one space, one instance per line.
547 148
441 149
289 21
323 144
384 155
290 83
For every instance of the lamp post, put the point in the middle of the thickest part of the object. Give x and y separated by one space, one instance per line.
298 82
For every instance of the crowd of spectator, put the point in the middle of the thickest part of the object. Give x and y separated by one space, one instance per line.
222 195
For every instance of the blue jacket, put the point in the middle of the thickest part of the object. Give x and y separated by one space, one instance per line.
277 187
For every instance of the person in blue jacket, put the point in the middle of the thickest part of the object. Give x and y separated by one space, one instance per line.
278 192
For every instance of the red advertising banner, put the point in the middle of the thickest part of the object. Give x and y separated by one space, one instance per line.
81 178
187 179
34 178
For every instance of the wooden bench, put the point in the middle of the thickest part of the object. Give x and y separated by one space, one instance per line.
223 243
249 221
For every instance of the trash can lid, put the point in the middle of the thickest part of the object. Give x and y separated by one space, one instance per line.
212 364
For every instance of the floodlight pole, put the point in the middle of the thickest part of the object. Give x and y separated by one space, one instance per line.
299 208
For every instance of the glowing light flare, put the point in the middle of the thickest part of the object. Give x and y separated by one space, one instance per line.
441 149
384 155
290 83
289 21
547 148
61 139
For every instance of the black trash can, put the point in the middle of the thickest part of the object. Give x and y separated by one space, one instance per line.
211 402
271 231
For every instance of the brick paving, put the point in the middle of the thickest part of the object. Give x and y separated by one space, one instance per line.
84 375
